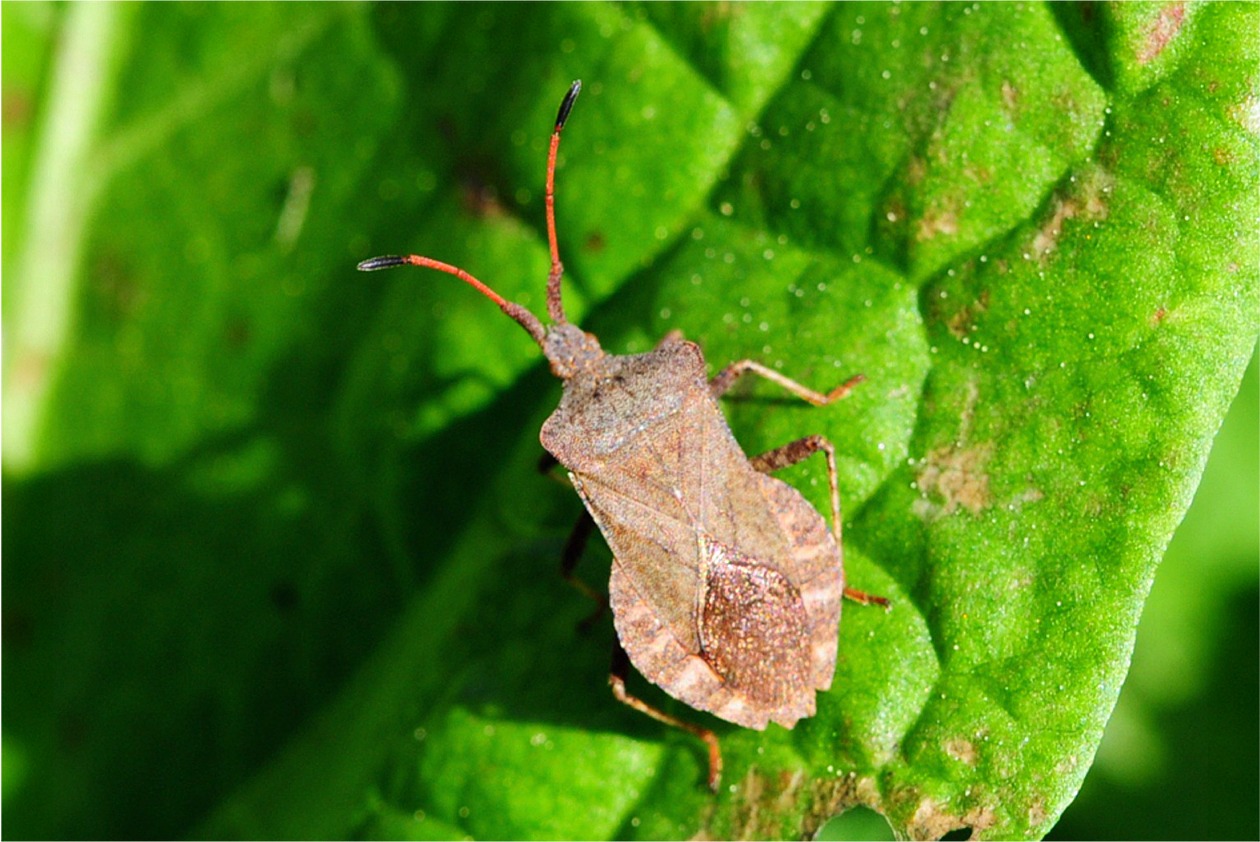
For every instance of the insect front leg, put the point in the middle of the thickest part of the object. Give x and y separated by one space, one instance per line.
547 465
617 681
574 546
727 377
797 451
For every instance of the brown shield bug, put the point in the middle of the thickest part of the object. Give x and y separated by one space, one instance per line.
726 584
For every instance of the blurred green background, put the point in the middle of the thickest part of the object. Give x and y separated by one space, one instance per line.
206 471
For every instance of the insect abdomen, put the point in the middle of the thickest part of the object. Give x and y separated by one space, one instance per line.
754 630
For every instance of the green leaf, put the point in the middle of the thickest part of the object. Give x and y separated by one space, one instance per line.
280 563
1183 720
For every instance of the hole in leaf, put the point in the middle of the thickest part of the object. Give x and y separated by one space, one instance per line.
859 823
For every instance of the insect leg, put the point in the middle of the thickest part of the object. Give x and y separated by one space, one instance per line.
569 558
727 377
547 467
574 546
797 451
617 681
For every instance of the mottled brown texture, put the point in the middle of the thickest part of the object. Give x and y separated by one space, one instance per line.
753 628
694 528
726 584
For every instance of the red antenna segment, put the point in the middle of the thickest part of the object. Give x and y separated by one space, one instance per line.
526 319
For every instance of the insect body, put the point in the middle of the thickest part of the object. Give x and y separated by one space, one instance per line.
726 584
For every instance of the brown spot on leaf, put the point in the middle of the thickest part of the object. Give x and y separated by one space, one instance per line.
1037 814
894 210
931 822
1010 96
1066 765
1247 114
937 221
1087 203
1048 234
594 242
978 173
789 788
1162 30
962 750
959 476
980 818
717 13
962 323
829 797
763 801
1157 318
916 170
957 472
1029 495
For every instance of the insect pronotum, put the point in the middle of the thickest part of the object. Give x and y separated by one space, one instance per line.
726 584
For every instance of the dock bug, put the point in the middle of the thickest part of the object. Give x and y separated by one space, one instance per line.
726 584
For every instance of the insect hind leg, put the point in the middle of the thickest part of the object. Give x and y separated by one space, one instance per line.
797 451
617 681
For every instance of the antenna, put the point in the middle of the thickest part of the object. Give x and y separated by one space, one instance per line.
522 316
555 307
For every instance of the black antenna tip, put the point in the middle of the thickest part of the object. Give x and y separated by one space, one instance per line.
374 263
567 105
